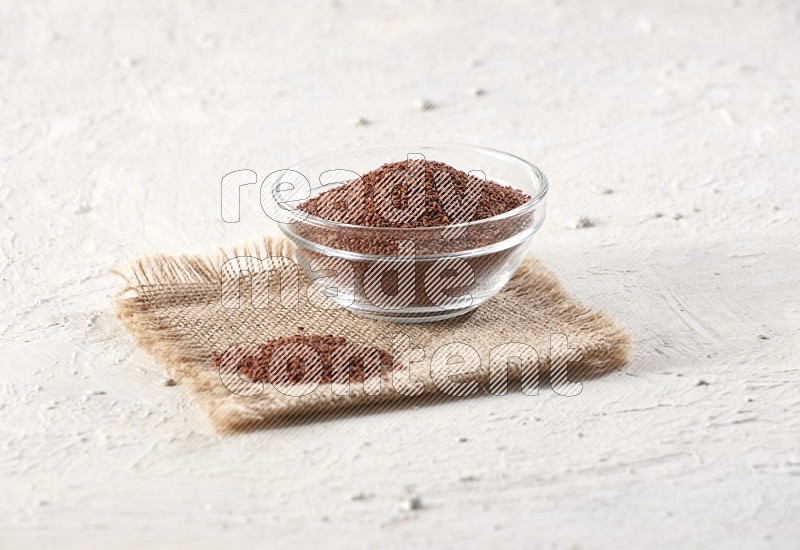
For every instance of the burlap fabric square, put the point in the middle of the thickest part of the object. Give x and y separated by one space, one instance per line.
179 309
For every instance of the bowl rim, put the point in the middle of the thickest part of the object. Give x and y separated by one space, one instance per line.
322 222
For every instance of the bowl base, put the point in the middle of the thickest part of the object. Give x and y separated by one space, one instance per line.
400 317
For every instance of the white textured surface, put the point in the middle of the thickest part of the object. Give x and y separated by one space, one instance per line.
118 121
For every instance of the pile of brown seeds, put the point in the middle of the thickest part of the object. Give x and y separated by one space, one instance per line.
416 202
408 182
357 362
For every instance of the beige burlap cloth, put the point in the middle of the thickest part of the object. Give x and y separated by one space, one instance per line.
174 308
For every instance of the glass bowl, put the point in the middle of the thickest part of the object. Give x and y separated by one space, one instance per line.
407 274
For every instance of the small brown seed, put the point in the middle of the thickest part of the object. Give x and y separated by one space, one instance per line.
411 504
424 105
582 223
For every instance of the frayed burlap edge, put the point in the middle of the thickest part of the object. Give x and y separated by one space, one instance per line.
605 345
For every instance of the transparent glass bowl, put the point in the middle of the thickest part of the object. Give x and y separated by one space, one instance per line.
408 274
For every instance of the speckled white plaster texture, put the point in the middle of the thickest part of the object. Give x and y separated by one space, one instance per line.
673 127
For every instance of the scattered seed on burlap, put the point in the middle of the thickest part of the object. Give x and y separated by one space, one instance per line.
361 364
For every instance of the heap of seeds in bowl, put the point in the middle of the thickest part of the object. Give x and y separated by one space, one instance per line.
431 209
419 187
